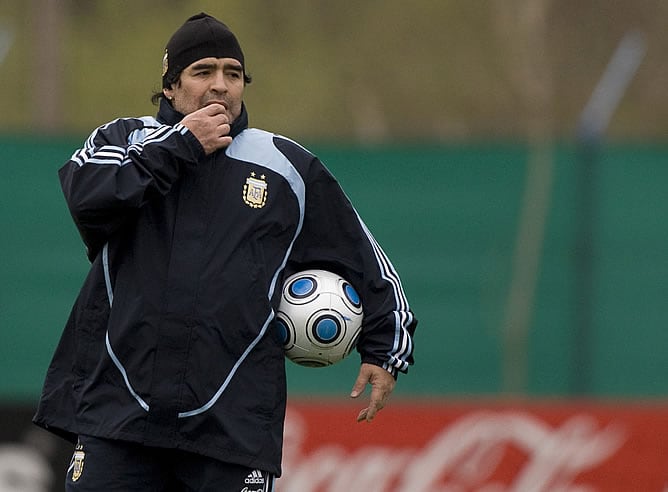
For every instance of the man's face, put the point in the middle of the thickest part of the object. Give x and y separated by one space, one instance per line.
206 81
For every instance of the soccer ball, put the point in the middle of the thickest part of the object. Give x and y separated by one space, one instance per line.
319 318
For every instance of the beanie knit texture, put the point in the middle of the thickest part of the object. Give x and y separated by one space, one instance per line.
201 36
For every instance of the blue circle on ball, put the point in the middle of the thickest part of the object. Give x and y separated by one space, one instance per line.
282 330
302 287
326 329
351 294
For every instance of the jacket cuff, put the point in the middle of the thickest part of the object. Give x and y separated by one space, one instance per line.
191 139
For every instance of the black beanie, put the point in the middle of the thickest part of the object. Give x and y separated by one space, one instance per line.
201 36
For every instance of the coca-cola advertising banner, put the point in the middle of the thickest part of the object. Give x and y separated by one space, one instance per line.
442 446
434 446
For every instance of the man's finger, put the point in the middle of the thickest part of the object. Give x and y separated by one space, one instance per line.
378 398
224 129
213 109
369 413
360 383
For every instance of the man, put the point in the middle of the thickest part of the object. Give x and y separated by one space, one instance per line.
169 374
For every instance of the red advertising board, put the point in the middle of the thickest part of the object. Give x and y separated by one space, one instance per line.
445 446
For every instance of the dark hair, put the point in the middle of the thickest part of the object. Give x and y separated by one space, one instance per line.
173 79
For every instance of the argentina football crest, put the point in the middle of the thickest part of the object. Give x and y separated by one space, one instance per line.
77 463
255 191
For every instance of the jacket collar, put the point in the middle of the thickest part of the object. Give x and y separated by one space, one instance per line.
168 115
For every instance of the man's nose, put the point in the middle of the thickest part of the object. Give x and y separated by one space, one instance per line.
219 84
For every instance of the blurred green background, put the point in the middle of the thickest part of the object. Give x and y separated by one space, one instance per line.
536 262
383 70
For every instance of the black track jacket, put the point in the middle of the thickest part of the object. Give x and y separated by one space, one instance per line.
170 342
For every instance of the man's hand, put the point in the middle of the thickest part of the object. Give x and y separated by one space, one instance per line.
382 384
211 127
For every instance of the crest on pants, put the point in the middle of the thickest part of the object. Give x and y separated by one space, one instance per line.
255 191
77 462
